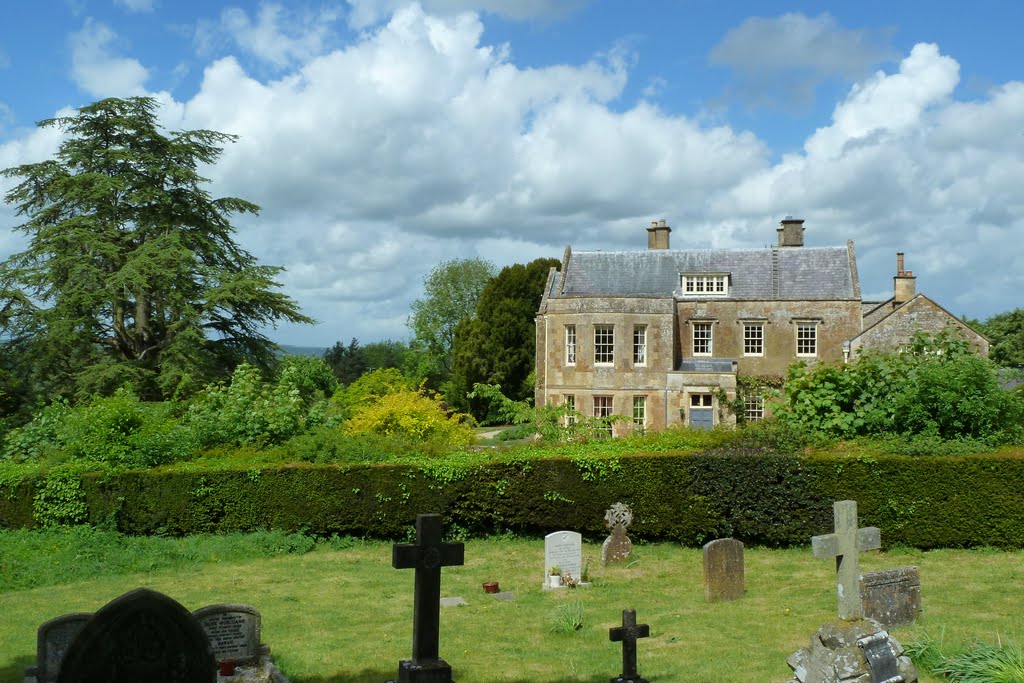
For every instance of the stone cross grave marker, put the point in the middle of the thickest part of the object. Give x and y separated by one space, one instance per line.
628 634
141 636
723 570
844 545
233 630
52 641
427 555
564 549
891 597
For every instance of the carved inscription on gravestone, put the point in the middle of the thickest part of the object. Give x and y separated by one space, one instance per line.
564 549
233 630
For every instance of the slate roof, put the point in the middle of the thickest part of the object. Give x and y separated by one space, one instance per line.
803 273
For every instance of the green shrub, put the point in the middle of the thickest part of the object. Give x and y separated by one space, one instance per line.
40 439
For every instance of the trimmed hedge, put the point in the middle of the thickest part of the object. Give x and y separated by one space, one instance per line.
770 500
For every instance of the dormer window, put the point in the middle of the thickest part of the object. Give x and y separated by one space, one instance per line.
704 284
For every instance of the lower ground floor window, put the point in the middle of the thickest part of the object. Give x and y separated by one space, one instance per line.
639 412
603 408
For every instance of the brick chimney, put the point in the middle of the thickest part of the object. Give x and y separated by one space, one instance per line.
791 232
657 235
904 284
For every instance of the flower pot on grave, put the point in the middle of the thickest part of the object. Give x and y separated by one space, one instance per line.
555 581
490 586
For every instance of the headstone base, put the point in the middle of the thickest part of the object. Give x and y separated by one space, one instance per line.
834 656
620 679
438 671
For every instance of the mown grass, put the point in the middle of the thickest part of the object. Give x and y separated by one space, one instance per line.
337 611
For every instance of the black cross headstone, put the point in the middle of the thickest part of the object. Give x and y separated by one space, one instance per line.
628 633
427 555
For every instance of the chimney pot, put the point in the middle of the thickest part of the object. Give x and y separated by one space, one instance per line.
657 235
904 285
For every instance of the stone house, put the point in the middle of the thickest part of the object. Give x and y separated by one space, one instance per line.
661 335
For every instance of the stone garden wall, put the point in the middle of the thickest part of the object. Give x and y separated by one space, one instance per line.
924 502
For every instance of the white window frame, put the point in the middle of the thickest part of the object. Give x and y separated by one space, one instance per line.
807 342
640 412
604 345
640 345
709 340
750 340
753 407
569 401
570 345
603 407
704 284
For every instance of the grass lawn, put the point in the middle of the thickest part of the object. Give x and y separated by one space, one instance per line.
343 614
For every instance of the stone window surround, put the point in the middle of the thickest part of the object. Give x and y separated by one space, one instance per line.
748 323
753 407
706 341
640 412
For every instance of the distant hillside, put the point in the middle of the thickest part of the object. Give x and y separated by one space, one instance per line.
289 350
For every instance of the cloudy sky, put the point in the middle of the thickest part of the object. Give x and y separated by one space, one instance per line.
382 137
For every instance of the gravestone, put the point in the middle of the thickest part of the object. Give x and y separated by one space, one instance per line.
628 634
891 597
52 641
723 570
141 636
234 632
564 549
617 547
426 556
844 545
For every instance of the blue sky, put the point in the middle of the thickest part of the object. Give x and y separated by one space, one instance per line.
382 137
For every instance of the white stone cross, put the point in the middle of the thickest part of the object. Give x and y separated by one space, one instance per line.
844 545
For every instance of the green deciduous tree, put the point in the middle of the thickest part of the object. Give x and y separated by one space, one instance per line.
450 295
131 271
498 345
1005 331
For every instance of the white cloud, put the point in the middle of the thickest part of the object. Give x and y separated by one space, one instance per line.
366 13
137 5
788 56
97 71
276 35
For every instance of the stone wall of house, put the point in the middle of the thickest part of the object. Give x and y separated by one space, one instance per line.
920 314
836 322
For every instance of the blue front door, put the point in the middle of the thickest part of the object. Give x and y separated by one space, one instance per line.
702 413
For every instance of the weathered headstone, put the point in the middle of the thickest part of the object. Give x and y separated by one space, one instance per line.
628 634
723 570
891 597
858 651
844 545
141 636
233 630
617 546
426 556
52 641
563 549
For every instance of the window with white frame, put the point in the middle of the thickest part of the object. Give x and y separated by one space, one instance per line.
702 339
570 345
806 339
639 412
753 339
753 407
704 284
640 345
604 345
569 401
603 408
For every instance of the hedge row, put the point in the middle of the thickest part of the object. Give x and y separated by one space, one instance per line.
925 502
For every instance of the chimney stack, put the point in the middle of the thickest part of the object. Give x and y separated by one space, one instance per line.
904 284
657 235
791 232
